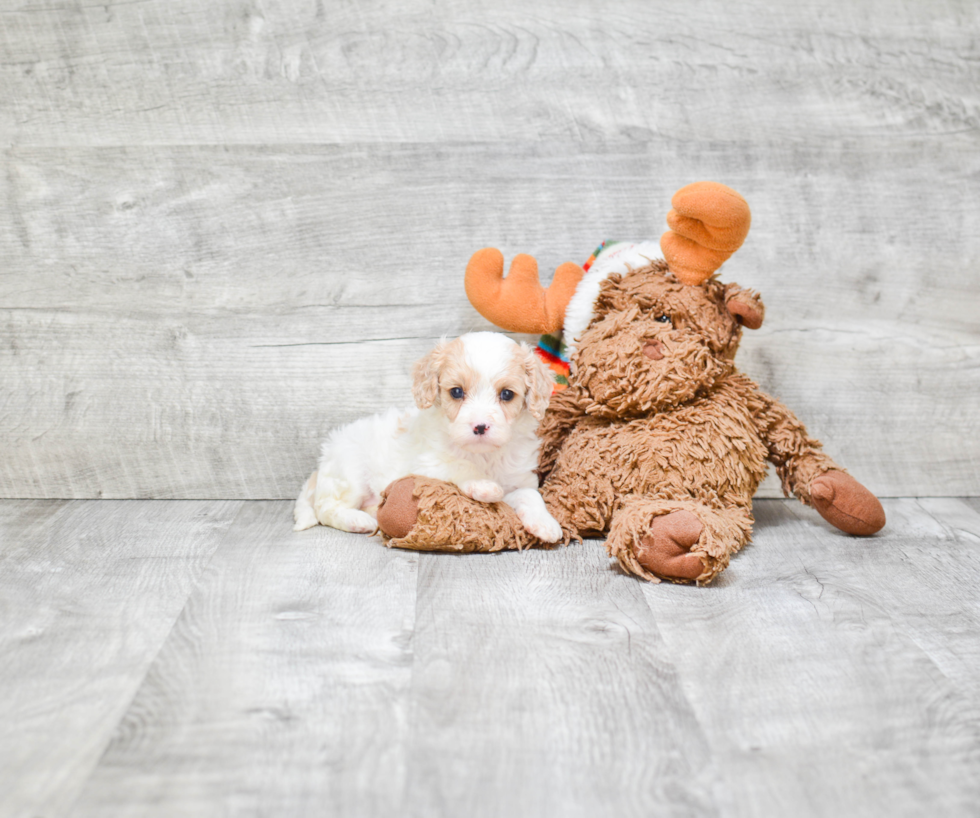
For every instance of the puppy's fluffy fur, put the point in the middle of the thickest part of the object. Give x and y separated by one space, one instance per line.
478 402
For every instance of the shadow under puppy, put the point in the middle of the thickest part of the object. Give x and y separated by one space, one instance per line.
478 399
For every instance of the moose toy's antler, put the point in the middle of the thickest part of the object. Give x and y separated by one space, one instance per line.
518 303
709 222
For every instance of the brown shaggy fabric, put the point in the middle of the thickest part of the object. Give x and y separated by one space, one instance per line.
725 531
639 436
448 520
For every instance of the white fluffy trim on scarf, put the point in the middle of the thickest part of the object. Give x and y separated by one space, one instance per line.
619 257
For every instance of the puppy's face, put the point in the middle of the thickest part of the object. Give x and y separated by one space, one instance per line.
483 382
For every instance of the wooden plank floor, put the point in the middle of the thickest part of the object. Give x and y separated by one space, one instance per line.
199 658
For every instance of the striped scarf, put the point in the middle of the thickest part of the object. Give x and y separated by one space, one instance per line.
552 349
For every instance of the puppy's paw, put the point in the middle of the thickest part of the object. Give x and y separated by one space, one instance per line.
305 518
347 519
359 522
484 491
542 525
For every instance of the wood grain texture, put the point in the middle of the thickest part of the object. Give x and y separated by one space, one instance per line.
320 673
541 686
243 71
845 668
88 594
189 322
283 688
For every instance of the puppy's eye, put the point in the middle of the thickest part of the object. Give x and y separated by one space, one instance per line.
506 395
664 319
456 393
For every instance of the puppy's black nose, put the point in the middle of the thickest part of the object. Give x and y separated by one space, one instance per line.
481 429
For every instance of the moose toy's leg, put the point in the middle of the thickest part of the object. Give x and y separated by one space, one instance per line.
425 514
679 540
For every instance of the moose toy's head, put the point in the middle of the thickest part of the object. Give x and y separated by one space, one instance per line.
645 335
655 342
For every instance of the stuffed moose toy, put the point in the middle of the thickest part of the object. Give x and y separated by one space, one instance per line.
654 439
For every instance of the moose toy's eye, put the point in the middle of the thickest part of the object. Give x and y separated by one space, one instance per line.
456 393
506 395
664 319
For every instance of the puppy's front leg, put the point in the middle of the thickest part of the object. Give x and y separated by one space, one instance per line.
484 491
471 481
533 513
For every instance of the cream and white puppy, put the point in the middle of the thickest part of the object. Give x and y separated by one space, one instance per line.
478 402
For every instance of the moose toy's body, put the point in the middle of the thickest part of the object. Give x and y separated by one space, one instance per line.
658 441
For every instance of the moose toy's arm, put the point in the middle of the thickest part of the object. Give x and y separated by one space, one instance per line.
809 474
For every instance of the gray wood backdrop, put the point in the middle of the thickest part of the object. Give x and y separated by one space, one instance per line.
227 226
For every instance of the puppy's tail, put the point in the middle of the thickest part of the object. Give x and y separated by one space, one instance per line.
303 512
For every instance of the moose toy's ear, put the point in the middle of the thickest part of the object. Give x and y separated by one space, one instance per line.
745 305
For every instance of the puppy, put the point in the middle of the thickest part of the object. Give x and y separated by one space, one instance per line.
478 402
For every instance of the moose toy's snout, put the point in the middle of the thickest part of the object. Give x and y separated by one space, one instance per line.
654 350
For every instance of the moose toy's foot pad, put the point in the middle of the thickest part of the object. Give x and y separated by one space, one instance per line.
666 551
844 503
679 540
399 509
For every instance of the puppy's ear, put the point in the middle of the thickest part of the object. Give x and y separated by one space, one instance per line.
539 382
425 377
